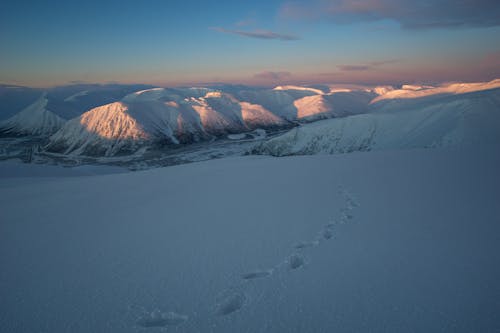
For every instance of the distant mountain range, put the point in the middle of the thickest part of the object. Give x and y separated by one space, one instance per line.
469 118
107 120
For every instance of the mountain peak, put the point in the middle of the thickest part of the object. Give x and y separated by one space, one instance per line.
33 120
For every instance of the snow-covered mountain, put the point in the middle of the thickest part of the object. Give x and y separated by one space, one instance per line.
65 101
14 99
371 116
35 120
413 91
69 102
164 116
185 115
103 131
333 105
433 119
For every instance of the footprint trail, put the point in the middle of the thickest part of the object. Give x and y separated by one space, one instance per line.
234 298
159 319
230 304
256 274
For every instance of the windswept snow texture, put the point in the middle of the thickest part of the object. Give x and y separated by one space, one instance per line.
34 120
399 241
437 120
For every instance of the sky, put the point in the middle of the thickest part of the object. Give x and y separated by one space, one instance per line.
259 42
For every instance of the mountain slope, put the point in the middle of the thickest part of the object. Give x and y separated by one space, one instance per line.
333 105
14 99
105 130
412 92
187 115
162 116
159 116
467 119
33 120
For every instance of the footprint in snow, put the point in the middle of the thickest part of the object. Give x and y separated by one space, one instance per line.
327 234
332 224
230 304
345 216
348 197
352 203
295 261
256 274
303 245
159 319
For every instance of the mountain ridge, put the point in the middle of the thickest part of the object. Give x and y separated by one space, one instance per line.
172 116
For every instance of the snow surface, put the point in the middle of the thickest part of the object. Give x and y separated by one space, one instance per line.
14 170
392 241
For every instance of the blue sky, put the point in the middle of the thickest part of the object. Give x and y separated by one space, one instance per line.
46 43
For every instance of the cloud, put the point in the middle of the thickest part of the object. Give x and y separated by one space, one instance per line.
260 34
348 68
366 67
273 76
410 14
